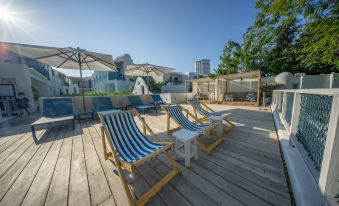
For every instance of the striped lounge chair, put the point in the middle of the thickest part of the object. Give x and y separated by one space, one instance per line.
206 113
103 105
130 148
176 113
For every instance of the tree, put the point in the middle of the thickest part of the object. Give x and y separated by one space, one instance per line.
287 35
230 59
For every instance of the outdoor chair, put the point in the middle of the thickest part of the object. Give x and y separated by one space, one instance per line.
54 110
103 105
176 113
157 100
129 148
135 102
208 112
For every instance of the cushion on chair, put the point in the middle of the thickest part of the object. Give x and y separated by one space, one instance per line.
57 107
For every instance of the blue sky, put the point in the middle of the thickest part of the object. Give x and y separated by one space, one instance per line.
173 33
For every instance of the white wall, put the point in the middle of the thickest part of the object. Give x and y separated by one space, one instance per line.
176 98
173 88
139 83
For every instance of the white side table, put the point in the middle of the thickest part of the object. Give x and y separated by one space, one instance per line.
217 120
184 140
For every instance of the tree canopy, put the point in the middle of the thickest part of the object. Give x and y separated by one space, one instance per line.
287 35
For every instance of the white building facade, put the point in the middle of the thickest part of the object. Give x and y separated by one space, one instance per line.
33 78
107 82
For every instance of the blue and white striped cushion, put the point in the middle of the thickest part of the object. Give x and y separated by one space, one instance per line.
201 110
176 113
127 139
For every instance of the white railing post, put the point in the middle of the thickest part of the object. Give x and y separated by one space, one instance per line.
329 173
280 96
274 100
295 116
284 104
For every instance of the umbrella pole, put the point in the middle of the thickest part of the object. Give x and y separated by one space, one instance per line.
81 85
148 86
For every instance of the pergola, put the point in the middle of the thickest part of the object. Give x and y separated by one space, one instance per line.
242 85
202 87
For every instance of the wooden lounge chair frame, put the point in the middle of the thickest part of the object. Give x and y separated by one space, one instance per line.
205 118
212 129
111 153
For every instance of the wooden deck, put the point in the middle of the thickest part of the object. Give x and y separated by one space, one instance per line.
68 168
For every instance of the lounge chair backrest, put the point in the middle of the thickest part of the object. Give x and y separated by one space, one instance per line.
135 100
57 107
157 99
126 137
176 113
196 103
102 103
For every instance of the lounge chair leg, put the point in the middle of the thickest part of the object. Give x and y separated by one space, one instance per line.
173 162
102 129
156 188
33 134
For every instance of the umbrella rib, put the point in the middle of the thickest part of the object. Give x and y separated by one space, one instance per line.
83 59
66 59
100 60
61 52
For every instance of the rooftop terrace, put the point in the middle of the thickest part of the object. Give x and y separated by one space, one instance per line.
68 168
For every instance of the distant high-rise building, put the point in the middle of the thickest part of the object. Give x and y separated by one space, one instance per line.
202 66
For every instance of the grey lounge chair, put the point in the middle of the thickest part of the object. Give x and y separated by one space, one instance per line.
157 100
103 105
54 110
136 103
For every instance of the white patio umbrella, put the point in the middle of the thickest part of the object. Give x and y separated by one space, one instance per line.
146 70
66 58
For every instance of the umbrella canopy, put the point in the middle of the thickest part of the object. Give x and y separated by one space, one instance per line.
146 70
67 58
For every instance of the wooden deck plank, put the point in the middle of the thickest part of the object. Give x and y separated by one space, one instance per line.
207 188
248 174
58 189
38 190
7 133
167 193
268 196
186 189
99 188
13 166
19 188
113 180
12 139
228 187
9 150
78 184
